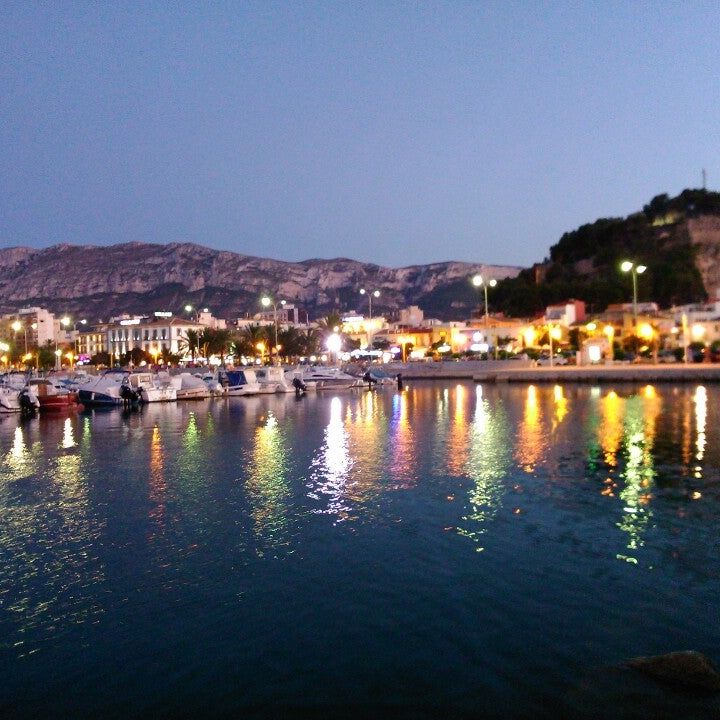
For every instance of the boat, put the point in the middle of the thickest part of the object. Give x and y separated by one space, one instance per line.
327 378
52 397
11 396
152 388
212 382
240 382
275 379
104 390
188 386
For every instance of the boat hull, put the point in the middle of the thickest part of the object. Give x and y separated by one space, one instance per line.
97 399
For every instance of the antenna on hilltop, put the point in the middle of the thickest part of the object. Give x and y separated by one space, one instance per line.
704 174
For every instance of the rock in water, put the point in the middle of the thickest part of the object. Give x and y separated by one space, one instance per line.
688 668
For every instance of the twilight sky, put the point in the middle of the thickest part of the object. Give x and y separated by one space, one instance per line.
395 133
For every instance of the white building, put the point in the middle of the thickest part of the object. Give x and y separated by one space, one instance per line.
153 335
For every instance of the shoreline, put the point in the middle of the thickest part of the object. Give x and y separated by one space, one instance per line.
491 371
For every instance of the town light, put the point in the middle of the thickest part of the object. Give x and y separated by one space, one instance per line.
631 267
479 281
371 294
334 343
16 326
591 327
698 331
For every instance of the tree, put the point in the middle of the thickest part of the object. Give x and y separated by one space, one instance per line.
214 342
190 343
101 358
291 342
252 336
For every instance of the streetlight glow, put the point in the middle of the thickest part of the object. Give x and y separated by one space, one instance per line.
371 294
631 267
265 301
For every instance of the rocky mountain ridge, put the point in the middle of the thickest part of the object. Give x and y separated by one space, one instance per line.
100 281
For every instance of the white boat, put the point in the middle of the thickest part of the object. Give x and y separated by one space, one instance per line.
275 378
152 388
324 378
189 387
212 382
241 382
10 398
104 390
12 385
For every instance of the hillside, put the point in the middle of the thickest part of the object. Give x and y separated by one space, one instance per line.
678 239
97 282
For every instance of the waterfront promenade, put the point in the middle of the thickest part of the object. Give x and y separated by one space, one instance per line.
524 371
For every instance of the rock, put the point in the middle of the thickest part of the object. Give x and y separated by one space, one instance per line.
689 668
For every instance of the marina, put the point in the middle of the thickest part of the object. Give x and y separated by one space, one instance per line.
314 555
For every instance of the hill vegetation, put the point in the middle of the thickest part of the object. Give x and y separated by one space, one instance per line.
585 263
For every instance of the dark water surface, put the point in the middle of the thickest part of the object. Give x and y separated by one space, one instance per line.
454 550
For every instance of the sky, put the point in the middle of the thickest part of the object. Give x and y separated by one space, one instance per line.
388 132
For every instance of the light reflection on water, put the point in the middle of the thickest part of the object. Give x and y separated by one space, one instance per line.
153 510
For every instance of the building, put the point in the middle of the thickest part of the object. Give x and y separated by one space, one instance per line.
37 326
566 314
90 341
153 335
287 314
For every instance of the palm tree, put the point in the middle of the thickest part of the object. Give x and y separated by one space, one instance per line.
329 323
291 342
190 343
253 335
310 341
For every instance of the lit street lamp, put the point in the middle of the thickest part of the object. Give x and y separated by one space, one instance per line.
334 344
636 270
267 302
554 333
371 294
479 281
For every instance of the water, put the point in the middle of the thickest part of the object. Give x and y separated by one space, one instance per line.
453 550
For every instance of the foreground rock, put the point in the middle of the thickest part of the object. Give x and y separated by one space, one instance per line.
688 668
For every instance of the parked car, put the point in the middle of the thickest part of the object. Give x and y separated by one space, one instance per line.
544 359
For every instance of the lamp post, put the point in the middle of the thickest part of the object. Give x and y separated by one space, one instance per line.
635 270
554 333
371 294
609 331
267 302
479 281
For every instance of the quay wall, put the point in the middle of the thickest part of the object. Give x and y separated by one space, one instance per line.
524 372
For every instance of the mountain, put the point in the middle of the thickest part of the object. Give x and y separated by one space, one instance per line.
678 239
97 282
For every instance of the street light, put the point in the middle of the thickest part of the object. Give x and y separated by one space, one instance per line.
334 344
371 294
635 269
479 281
267 302
554 333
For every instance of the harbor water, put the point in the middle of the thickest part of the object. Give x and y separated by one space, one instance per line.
453 550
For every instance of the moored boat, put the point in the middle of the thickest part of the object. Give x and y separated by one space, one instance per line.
189 387
327 378
53 398
241 382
